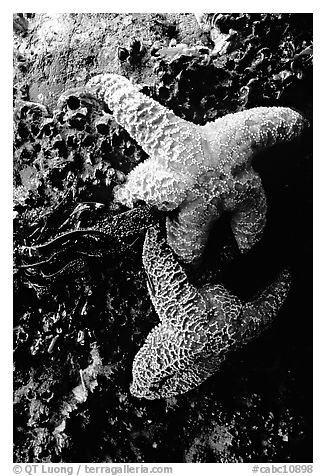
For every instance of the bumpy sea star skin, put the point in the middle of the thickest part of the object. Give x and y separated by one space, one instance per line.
200 171
198 326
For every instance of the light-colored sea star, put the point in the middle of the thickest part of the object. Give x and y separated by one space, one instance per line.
198 171
198 326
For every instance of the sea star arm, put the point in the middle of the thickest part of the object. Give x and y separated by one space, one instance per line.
151 380
239 136
237 323
157 129
153 184
261 311
267 126
248 219
187 232
168 285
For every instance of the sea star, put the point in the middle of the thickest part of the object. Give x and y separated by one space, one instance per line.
198 171
198 326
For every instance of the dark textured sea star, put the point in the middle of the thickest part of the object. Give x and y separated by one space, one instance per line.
198 326
198 171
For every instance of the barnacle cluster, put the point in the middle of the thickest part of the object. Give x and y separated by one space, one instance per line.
62 159
77 139
269 63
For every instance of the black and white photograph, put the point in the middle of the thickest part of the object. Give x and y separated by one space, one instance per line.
163 240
